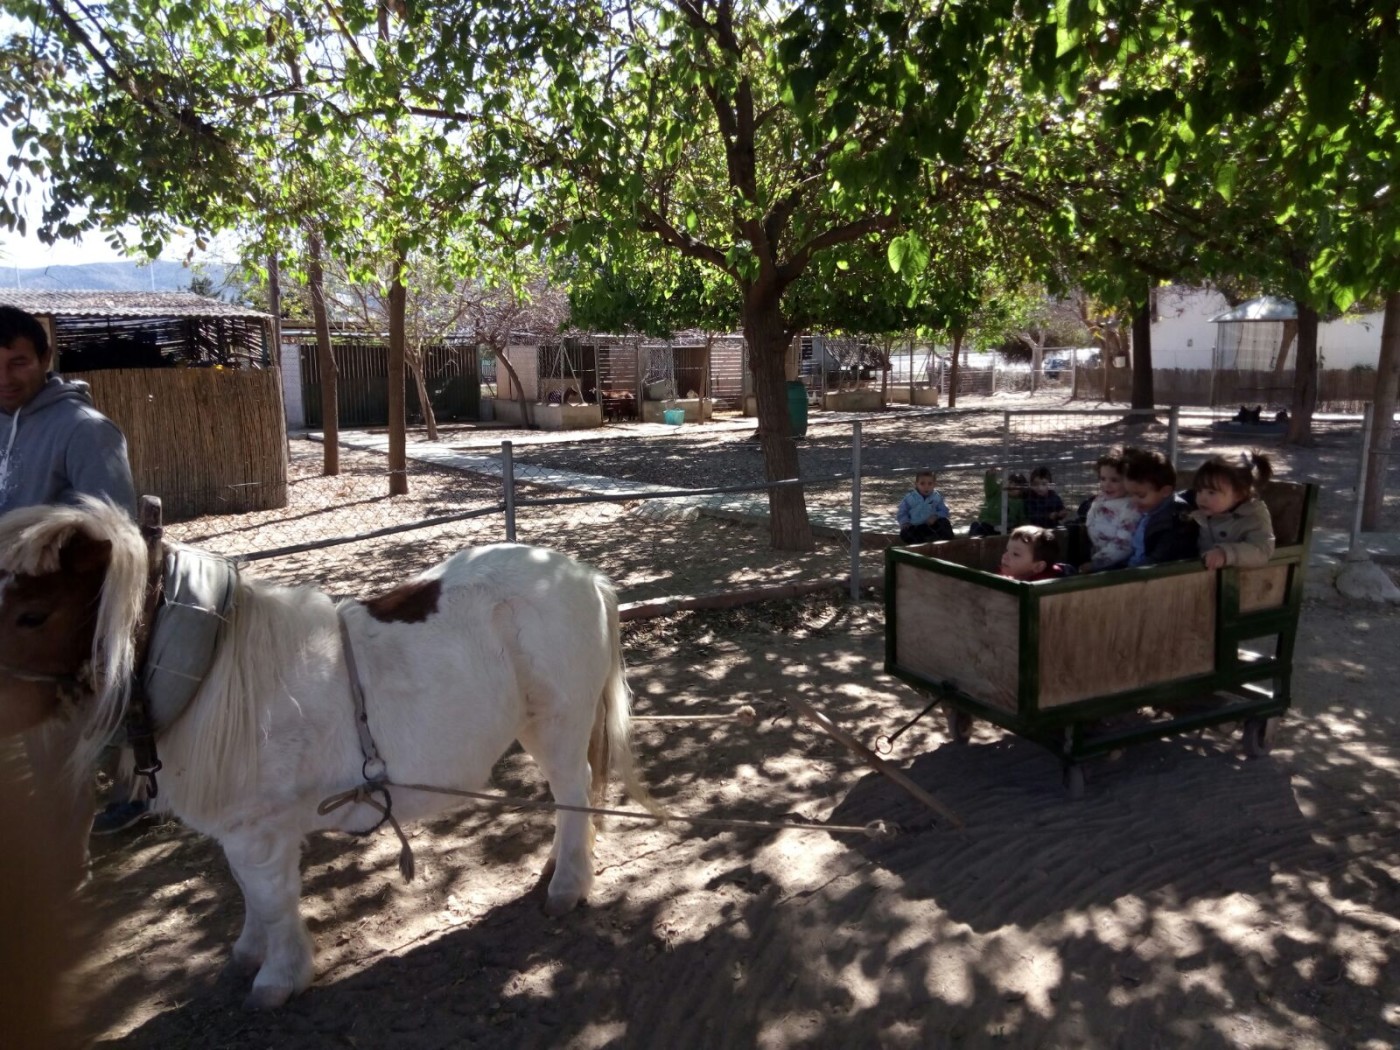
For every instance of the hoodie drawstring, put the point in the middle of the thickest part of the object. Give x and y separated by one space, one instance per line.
5 460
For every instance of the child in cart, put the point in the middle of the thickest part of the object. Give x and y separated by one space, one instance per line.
1030 555
1112 516
922 514
1044 507
1165 532
1235 525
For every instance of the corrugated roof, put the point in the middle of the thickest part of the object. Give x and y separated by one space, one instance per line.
122 304
1265 308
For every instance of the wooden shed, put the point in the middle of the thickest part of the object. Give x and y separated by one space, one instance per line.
190 381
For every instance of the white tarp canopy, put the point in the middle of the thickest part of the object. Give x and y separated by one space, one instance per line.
1255 343
1265 308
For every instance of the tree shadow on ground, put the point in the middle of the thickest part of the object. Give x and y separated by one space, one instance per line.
1192 898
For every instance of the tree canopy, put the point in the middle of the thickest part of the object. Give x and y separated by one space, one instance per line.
862 165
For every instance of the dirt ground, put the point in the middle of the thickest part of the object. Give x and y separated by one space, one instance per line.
1192 898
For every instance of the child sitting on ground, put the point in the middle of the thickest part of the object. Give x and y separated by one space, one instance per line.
1165 532
922 515
1043 504
990 513
1112 516
1235 525
1030 555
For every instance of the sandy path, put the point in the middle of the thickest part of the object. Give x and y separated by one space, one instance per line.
1193 898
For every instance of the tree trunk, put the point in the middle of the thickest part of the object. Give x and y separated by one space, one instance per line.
1037 362
789 527
325 357
425 403
1143 396
274 307
1300 414
1383 414
398 439
957 335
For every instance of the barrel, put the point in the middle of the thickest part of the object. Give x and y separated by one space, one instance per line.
797 407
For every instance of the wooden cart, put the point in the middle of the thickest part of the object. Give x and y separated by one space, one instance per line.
1089 664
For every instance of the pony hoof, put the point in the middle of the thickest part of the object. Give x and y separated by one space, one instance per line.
241 967
560 904
268 998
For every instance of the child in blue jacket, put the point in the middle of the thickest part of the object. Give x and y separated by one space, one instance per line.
922 515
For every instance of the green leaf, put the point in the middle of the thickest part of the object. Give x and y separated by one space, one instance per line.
1225 176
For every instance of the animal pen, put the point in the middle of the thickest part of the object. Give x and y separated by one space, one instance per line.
191 383
1253 359
629 379
1088 664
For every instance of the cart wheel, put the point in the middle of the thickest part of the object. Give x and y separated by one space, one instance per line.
1258 736
1074 781
959 724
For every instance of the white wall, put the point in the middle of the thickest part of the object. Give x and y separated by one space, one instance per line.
1351 341
291 385
1183 336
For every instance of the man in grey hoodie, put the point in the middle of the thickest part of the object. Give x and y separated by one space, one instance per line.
55 447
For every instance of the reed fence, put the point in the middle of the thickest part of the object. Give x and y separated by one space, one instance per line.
205 440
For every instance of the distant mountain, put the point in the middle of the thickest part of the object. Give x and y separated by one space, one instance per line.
164 275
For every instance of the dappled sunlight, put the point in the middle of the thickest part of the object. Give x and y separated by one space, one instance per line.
1192 898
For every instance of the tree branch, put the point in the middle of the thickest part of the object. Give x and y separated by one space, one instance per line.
854 231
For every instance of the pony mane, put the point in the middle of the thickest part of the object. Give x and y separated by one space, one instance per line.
31 541
218 735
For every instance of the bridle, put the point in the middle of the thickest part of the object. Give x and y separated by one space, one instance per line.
82 679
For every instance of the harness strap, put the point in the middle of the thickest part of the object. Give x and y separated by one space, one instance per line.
374 771
364 795
139 725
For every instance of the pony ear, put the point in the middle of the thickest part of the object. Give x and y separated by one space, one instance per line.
84 554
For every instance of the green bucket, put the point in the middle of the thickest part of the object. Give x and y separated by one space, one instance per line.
797 407
674 416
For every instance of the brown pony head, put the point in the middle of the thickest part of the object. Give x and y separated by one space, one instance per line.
71 585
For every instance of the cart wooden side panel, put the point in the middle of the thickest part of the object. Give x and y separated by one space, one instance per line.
1263 588
954 630
1108 640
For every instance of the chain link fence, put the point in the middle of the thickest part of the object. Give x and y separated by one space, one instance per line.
684 510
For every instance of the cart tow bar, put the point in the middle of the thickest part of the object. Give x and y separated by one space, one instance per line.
885 744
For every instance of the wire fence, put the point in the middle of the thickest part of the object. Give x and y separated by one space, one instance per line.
682 511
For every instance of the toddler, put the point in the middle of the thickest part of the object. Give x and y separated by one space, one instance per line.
1235 526
922 515
1165 532
1030 555
1112 516
1043 504
990 513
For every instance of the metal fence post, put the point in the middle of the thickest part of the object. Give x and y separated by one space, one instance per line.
855 511
1005 471
1173 429
1352 547
508 482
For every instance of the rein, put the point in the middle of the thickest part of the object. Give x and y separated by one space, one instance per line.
377 784
880 830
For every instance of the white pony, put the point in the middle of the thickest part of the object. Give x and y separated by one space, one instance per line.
496 644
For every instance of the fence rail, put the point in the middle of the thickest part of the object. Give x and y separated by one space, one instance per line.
680 513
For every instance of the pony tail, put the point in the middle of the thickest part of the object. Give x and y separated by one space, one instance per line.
1263 467
615 710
